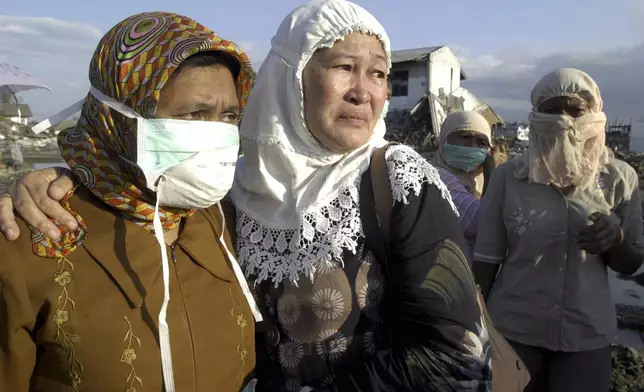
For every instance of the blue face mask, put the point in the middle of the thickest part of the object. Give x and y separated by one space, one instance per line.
464 158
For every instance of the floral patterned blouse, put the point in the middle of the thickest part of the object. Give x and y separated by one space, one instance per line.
407 321
325 323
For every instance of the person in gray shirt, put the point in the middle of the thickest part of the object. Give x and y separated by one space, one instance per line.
552 222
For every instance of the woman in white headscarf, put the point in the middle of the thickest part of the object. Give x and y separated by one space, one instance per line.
554 220
308 134
338 317
464 160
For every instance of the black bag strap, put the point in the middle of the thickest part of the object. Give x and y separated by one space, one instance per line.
376 203
383 198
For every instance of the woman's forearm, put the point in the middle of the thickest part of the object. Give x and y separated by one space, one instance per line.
484 274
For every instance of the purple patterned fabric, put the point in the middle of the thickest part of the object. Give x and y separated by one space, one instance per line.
467 206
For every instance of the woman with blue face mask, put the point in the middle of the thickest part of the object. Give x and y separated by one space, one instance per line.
464 162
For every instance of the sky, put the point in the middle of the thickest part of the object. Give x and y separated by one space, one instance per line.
505 46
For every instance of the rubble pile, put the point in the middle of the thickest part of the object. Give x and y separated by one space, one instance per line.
628 370
401 128
29 142
17 145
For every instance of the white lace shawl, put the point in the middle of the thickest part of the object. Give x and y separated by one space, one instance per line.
298 201
278 254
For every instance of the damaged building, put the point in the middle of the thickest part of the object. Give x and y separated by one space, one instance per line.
13 110
425 87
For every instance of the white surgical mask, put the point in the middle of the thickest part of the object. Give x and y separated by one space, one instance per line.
194 161
189 164
385 109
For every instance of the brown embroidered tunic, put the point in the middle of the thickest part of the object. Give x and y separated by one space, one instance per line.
88 322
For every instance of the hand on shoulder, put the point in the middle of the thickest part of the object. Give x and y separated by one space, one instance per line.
35 198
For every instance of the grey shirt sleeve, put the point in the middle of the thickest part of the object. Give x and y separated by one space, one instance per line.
630 211
491 240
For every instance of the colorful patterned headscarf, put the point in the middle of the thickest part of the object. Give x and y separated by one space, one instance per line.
131 64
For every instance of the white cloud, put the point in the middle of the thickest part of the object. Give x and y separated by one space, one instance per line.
54 51
52 25
43 36
505 79
17 29
510 63
58 53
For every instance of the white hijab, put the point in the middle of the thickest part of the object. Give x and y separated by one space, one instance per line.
566 151
297 203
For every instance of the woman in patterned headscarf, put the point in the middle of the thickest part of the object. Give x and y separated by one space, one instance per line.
308 134
80 312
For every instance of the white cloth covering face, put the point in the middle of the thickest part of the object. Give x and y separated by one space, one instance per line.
566 151
295 199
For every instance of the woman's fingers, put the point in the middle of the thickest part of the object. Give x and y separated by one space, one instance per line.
62 184
56 191
26 207
8 225
32 200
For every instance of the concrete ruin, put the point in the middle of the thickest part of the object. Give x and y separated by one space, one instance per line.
22 151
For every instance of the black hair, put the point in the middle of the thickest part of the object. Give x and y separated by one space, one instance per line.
207 59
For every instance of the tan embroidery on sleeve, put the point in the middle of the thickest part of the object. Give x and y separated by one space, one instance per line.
65 306
128 356
242 322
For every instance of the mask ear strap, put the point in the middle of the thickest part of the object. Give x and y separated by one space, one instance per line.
76 107
164 328
114 104
58 117
129 113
